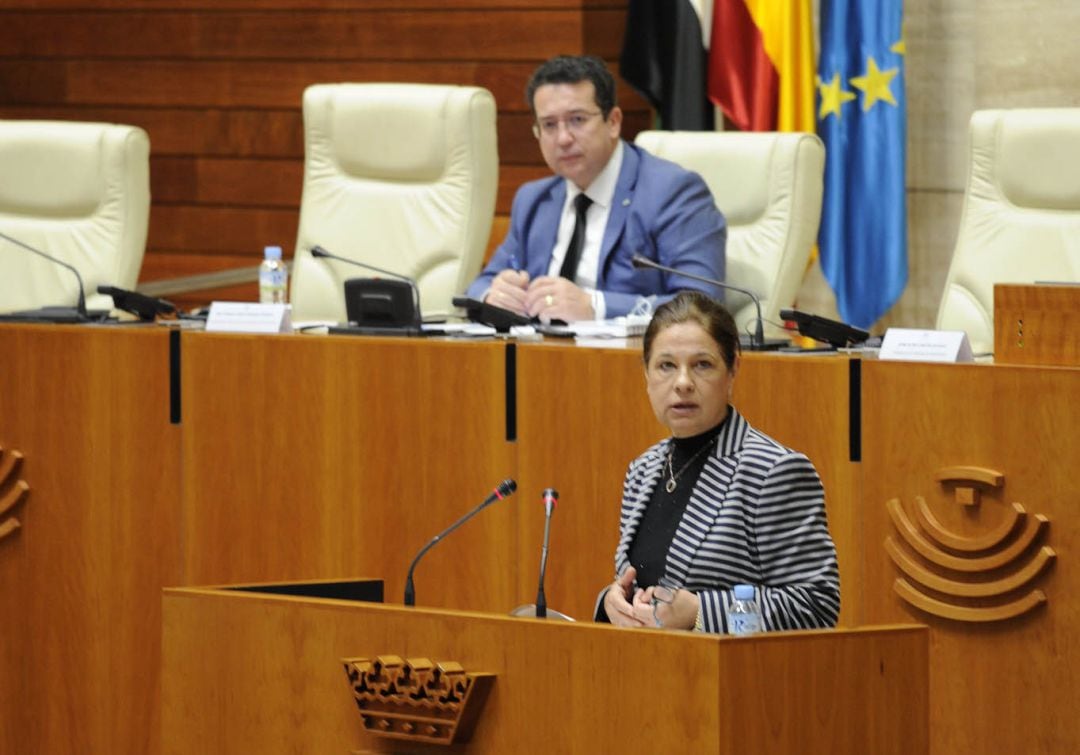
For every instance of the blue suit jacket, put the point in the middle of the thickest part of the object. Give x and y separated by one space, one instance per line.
659 210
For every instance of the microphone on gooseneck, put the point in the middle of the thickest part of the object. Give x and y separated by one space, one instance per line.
374 302
319 253
757 341
80 305
505 489
551 498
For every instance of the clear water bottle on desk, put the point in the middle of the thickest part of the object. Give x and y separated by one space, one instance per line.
273 277
744 614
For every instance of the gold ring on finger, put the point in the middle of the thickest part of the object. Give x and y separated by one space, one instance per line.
549 299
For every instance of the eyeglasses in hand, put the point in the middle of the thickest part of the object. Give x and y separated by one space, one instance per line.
663 593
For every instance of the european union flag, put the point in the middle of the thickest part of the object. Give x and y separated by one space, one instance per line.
861 118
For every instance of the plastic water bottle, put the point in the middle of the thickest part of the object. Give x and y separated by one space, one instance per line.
744 615
273 277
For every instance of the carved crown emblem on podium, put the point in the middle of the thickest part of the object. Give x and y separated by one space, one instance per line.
417 699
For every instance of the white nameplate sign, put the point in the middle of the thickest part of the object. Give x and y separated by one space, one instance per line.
909 344
247 317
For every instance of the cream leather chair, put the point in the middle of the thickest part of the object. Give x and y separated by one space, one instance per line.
76 191
400 176
1021 216
769 187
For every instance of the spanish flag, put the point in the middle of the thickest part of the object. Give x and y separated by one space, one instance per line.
761 64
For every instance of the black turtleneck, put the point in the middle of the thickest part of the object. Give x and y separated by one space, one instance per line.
649 549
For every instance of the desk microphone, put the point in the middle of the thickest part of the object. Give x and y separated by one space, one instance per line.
319 253
551 497
757 341
56 313
505 489
377 303
146 308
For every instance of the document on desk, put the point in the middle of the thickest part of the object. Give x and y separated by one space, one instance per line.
618 327
463 329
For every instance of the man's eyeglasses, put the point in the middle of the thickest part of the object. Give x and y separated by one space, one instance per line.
548 128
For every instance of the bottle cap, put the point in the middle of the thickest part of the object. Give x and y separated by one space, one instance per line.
744 592
272 252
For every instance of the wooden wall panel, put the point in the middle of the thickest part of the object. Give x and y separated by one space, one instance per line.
443 34
206 132
292 5
80 582
1006 685
311 464
218 87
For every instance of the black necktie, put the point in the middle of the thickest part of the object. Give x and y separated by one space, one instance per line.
577 240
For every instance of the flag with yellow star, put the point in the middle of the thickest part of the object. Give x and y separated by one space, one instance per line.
861 118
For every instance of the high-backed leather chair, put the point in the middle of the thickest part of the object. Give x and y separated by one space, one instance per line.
400 176
1021 216
79 192
769 187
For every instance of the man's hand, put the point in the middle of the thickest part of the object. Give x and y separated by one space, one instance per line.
555 298
508 290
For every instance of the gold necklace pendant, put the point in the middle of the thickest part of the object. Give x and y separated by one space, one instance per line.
671 484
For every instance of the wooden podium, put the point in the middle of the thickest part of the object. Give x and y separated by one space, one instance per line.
256 672
1036 324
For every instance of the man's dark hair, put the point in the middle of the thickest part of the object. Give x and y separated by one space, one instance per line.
571 69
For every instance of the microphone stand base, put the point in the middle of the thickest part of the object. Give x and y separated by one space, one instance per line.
771 344
528 611
55 315
372 330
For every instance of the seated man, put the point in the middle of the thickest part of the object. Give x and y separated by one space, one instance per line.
572 236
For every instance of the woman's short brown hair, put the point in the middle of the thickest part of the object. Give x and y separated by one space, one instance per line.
694 306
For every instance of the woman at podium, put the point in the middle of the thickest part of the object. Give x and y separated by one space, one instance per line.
718 503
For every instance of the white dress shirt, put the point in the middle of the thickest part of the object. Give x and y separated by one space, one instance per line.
601 191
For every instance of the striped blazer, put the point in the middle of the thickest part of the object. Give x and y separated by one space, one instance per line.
756 516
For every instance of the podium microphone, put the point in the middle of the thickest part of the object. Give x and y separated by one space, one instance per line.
505 489
540 609
757 341
551 497
57 313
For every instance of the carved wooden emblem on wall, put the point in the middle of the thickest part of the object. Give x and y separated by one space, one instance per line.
12 491
972 578
416 699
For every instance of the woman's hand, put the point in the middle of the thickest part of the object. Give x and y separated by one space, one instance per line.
680 612
617 604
